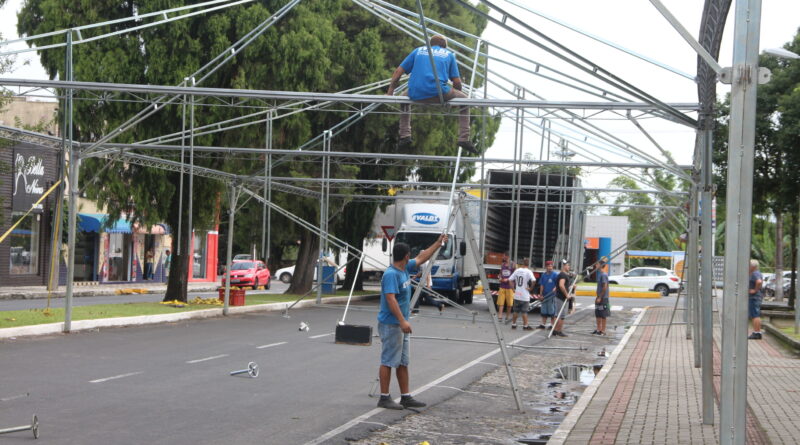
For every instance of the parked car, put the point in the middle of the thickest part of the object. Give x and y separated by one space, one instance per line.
249 273
653 278
285 274
769 283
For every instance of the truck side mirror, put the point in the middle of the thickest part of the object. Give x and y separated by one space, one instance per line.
462 248
385 244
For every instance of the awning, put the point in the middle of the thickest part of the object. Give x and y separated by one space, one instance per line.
93 222
649 254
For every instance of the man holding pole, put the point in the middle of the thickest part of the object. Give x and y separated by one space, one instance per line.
562 295
393 324
547 293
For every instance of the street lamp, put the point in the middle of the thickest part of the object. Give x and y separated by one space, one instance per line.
782 53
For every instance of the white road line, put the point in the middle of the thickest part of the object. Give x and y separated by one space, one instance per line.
271 345
637 309
321 335
115 377
436 382
617 308
207 358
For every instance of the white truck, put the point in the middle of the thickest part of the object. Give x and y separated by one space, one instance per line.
417 219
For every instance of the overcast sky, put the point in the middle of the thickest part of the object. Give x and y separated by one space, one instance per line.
634 24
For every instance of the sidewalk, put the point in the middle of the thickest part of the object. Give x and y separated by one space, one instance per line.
652 393
32 292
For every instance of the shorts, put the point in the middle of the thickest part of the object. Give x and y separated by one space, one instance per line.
394 345
754 307
522 307
548 308
559 304
602 311
505 297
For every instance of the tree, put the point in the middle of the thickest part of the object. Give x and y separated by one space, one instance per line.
777 162
325 45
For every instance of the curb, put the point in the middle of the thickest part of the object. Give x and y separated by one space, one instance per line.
89 293
783 338
140 320
559 437
621 294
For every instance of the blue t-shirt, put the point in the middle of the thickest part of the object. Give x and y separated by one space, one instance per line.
602 279
549 281
397 282
755 276
422 85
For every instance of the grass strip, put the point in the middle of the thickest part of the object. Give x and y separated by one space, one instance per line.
28 317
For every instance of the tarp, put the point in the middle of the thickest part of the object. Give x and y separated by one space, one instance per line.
648 254
92 222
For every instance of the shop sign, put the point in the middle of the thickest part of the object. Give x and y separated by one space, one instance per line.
28 179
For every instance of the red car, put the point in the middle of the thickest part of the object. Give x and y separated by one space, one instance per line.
249 273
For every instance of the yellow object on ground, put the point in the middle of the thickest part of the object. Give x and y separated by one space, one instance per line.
621 294
130 291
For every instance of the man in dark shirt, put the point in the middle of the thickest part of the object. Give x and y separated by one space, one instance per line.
754 302
562 295
602 309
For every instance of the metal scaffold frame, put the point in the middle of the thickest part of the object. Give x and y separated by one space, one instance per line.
560 124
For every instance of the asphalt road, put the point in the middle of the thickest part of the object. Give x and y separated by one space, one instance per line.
170 384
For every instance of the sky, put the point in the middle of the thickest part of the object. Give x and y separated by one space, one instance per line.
634 24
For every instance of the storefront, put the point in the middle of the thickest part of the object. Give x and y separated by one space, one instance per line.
25 252
120 253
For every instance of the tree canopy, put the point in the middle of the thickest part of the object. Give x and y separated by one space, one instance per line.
324 45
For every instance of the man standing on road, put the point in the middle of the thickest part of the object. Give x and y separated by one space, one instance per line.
393 324
422 87
523 281
754 302
602 309
562 295
547 293
505 297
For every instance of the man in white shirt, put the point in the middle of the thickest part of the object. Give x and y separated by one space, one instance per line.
523 280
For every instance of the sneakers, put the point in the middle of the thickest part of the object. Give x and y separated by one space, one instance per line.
527 328
541 326
410 402
388 403
596 332
755 336
415 311
513 326
559 334
468 146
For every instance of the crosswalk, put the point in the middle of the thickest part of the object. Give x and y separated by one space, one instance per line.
591 306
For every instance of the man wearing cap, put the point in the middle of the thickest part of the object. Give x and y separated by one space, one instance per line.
505 297
547 293
562 295
602 310
422 87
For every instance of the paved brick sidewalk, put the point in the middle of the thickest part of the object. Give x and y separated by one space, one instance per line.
651 395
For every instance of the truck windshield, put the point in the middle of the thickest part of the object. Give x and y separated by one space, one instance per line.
421 241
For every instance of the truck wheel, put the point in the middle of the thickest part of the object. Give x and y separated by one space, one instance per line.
468 296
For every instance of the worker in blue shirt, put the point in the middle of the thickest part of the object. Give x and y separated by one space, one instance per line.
422 87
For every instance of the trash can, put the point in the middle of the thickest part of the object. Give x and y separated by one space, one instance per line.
328 280
236 296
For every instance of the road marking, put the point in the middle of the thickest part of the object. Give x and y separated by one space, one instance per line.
321 335
368 414
115 377
617 308
207 358
270 345
637 309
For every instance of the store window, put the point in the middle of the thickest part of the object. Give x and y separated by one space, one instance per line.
24 243
119 256
199 266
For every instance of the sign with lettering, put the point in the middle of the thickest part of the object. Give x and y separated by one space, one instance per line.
29 179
